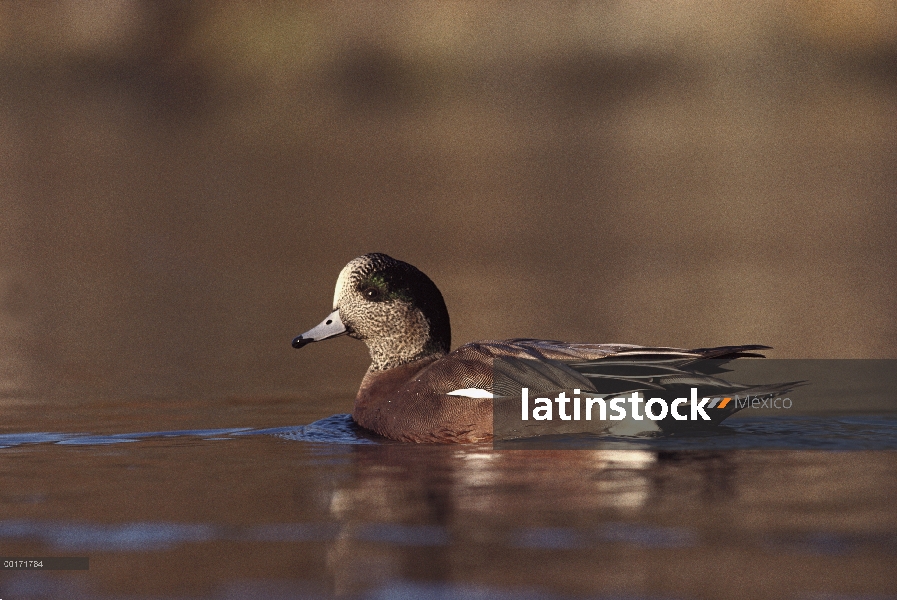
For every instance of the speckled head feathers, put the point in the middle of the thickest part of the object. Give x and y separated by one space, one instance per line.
396 309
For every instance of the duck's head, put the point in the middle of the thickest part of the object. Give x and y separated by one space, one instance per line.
390 305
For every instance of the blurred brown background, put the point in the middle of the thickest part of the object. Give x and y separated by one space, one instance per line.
180 183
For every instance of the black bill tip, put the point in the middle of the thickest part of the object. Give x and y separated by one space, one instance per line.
300 341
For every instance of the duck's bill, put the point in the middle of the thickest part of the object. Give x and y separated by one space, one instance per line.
330 327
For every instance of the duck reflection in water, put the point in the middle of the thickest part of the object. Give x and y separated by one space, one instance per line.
432 511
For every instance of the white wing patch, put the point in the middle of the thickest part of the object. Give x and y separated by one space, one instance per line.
472 393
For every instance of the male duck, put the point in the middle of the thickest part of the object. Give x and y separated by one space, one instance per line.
416 389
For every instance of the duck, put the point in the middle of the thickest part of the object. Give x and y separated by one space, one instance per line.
419 390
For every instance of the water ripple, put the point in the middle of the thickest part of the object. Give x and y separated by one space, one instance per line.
865 432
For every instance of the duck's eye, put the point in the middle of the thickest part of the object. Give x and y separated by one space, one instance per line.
371 293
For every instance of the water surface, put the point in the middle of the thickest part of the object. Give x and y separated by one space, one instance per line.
176 503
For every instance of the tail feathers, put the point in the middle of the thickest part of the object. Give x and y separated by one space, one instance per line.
731 351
